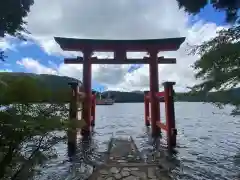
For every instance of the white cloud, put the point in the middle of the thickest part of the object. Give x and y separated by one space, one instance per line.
121 19
12 43
6 44
111 19
75 71
35 67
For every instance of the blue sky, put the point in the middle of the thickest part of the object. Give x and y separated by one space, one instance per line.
20 51
209 14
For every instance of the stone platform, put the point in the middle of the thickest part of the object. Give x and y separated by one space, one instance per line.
124 162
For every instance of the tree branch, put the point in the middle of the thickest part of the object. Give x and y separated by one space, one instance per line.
29 159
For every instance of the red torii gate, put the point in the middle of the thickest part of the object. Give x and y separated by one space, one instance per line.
120 48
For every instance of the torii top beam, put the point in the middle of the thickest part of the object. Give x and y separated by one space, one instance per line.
71 44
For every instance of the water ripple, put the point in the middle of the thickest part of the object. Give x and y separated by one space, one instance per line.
208 142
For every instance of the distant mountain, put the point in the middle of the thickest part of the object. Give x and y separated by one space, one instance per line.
138 96
138 92
53 82
60 90
56 86
125 96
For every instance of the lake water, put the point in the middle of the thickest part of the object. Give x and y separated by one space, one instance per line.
208 142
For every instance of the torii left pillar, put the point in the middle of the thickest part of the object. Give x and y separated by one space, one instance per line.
154 88
87 81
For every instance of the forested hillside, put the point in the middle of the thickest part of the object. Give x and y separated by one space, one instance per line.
52 88
49 88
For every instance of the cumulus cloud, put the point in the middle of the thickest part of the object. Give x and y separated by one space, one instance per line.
35 66
75 71
123 19
111 19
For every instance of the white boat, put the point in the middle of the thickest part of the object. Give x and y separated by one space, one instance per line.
105 101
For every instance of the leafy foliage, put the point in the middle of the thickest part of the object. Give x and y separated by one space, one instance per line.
220 60
27 131
12 14
2 56
27 137
219 65
229 6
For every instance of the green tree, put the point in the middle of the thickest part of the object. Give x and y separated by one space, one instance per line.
27 130
12 14
219 66
229 6
219 63
27 137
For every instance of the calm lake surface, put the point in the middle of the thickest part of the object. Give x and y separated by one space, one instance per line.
208 142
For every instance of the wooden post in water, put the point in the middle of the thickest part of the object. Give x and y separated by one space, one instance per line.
73 111
146 107
170 114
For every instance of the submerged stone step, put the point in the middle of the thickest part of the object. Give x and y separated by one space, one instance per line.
125 163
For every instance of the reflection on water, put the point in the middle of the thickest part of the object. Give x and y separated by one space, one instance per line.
208 142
